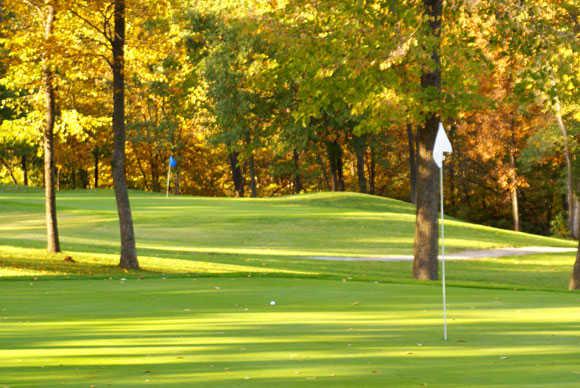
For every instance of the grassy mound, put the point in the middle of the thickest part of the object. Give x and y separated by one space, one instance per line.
255 237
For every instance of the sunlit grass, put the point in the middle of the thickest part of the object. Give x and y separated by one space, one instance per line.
198 313
198 236
224 332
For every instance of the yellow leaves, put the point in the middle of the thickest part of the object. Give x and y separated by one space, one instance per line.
397 55
323 73
74 123
27 128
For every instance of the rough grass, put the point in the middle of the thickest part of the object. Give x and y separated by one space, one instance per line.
199 313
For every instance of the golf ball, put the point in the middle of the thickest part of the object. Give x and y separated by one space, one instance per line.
272 303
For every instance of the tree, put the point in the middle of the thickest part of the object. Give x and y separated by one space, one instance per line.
128 249
238 73
31 48
53 243
426 231
575 276
97 17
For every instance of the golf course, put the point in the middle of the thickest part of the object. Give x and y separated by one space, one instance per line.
230 294
289 193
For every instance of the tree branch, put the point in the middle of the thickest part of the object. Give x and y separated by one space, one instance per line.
93 25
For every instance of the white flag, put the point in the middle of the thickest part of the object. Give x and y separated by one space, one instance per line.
442 144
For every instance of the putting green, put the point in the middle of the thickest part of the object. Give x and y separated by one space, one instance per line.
224 332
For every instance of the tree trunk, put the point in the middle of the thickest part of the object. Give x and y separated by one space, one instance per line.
514 187
571 195
176 181
146 185
84 178
426 228
576 225
372 169
24 170
515 206
359 145
14 180
334 152
451 170
575 278
297 181
412 164
237 176
53 242
323 170
73 178
153 165
128 250
252 170
96 168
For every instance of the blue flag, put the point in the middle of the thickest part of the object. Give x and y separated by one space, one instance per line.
172 162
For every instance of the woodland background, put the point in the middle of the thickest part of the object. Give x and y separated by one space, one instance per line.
267 98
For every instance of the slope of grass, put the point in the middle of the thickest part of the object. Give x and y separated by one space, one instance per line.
256 237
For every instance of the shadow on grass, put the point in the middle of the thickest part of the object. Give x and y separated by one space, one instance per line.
523 273
220 348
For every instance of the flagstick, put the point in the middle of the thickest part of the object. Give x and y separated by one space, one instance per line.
168 179
443 254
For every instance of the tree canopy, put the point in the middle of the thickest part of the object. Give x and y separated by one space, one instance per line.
271 97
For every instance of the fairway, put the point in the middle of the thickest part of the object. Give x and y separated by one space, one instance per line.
341 224
200 313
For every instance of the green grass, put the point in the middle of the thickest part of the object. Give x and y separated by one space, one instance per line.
256 236
223 332
198 312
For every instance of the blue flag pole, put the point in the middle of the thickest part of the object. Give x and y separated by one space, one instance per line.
172 164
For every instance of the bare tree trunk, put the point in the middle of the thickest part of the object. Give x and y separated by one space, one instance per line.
412 164
237 176
576 225
571 195
10 171
514 187
451 169
146 185
334 152
514 200
176 181
426 228
323 170
24 170
155 174
128 250
96 168
297 181
372 169
252 170
53 242
575 278
359 145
